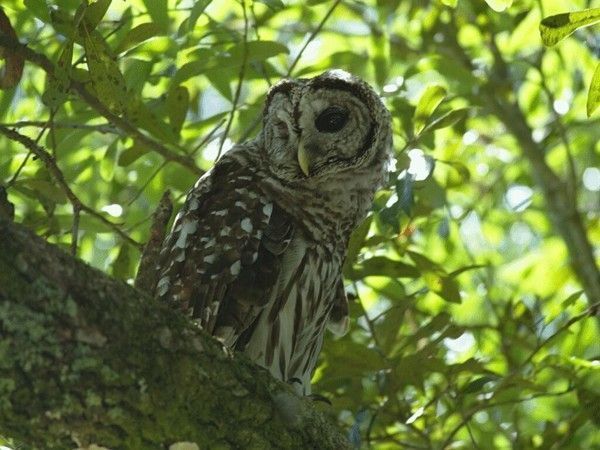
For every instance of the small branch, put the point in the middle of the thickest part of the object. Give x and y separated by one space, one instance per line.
14 178
104 128
206 139
58 176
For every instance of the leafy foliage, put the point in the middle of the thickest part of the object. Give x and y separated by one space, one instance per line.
470 329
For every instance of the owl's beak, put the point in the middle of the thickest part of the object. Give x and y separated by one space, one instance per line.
303 159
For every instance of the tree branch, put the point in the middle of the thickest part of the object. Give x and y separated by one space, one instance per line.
86 359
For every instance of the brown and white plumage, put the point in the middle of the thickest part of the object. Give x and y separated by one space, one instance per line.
256 253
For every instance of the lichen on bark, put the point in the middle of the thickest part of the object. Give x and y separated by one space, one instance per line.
86 359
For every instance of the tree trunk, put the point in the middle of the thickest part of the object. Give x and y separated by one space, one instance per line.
86 359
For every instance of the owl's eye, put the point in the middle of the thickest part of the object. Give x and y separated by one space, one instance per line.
332 119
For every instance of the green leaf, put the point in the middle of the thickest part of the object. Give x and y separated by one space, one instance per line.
571 299
178 100
449 290
58 84
94 13
159 13
424 263
39 8
142 116
139 34
207 60
197 10
478 384
388 330
499 5
275 5
131 154
383 266
447 120
106 78
593 100
357 240
428 103
388 287
256 51
451 3
121 264
555 28
136 74
46 189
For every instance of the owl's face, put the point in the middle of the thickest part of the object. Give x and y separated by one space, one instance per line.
325 125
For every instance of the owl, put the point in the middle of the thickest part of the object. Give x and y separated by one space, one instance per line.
255 255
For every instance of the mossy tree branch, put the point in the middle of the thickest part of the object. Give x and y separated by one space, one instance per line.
86 359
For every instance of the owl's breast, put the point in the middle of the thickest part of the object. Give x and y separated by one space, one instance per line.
288 334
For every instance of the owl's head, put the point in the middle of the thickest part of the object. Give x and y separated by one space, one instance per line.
331 124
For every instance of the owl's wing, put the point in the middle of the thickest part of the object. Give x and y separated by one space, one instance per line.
222 258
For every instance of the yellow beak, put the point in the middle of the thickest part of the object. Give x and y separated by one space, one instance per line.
303 159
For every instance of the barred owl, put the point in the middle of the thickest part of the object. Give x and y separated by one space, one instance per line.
256 252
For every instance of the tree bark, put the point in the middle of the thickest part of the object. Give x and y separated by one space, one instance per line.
86 359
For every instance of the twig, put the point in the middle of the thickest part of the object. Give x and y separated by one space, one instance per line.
312 36
58 176
241 76
104 128
206 139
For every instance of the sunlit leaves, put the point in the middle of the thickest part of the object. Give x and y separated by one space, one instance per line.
107 80
555 28
499 5
138 34
428 103
383 266
131 154
436 278
276 5
210 60
178 100
159 13
59 82
94 12
593 100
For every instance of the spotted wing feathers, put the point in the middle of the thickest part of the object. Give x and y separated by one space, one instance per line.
221 259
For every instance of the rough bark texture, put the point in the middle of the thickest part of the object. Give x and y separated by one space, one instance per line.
85 359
